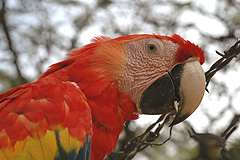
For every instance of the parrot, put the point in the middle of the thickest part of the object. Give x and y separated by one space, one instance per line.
78 107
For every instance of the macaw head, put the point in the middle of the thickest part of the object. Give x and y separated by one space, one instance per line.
162 74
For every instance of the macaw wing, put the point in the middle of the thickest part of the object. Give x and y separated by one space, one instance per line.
45 121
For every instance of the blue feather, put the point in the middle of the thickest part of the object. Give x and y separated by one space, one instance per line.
85 152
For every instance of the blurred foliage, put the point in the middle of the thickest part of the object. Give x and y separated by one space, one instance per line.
37 33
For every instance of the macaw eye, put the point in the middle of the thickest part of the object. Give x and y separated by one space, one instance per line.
151 48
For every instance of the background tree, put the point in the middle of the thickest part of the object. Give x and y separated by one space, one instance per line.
37 33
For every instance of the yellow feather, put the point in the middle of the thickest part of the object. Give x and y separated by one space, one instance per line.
10 153
69 143
44 148
41 149
38 149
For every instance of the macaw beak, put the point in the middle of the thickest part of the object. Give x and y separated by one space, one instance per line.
181 89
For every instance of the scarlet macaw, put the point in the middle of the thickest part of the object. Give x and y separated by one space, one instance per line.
78 107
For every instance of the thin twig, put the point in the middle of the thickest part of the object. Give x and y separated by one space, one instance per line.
220 141
228 55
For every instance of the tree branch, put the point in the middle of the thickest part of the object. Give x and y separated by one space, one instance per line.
10 43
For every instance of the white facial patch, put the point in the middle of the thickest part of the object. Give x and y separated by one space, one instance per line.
144 67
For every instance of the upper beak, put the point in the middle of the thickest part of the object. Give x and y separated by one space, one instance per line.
192 88
185 84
